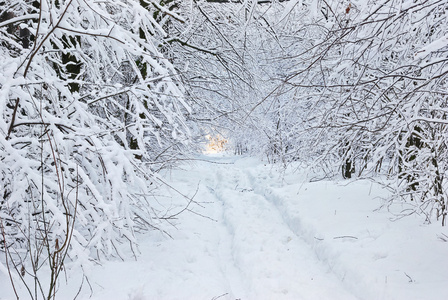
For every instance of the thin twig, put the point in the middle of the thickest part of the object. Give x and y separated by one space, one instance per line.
6 258
345 237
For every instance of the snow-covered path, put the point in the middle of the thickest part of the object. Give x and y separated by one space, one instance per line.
250 233
236 245
254 235
272 261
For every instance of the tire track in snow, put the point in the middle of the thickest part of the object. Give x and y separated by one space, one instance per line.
273 261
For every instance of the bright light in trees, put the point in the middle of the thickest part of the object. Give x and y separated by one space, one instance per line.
215 144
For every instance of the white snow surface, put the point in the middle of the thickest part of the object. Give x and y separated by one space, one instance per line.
254 232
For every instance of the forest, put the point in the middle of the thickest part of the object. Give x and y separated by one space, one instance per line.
98 98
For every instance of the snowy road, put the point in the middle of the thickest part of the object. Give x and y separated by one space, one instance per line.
253 233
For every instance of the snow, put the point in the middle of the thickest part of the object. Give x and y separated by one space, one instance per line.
255 232
432 47
289 7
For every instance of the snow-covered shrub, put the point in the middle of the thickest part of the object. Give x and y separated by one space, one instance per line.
88 106
376 78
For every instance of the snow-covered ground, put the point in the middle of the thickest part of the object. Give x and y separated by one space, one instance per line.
255 233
